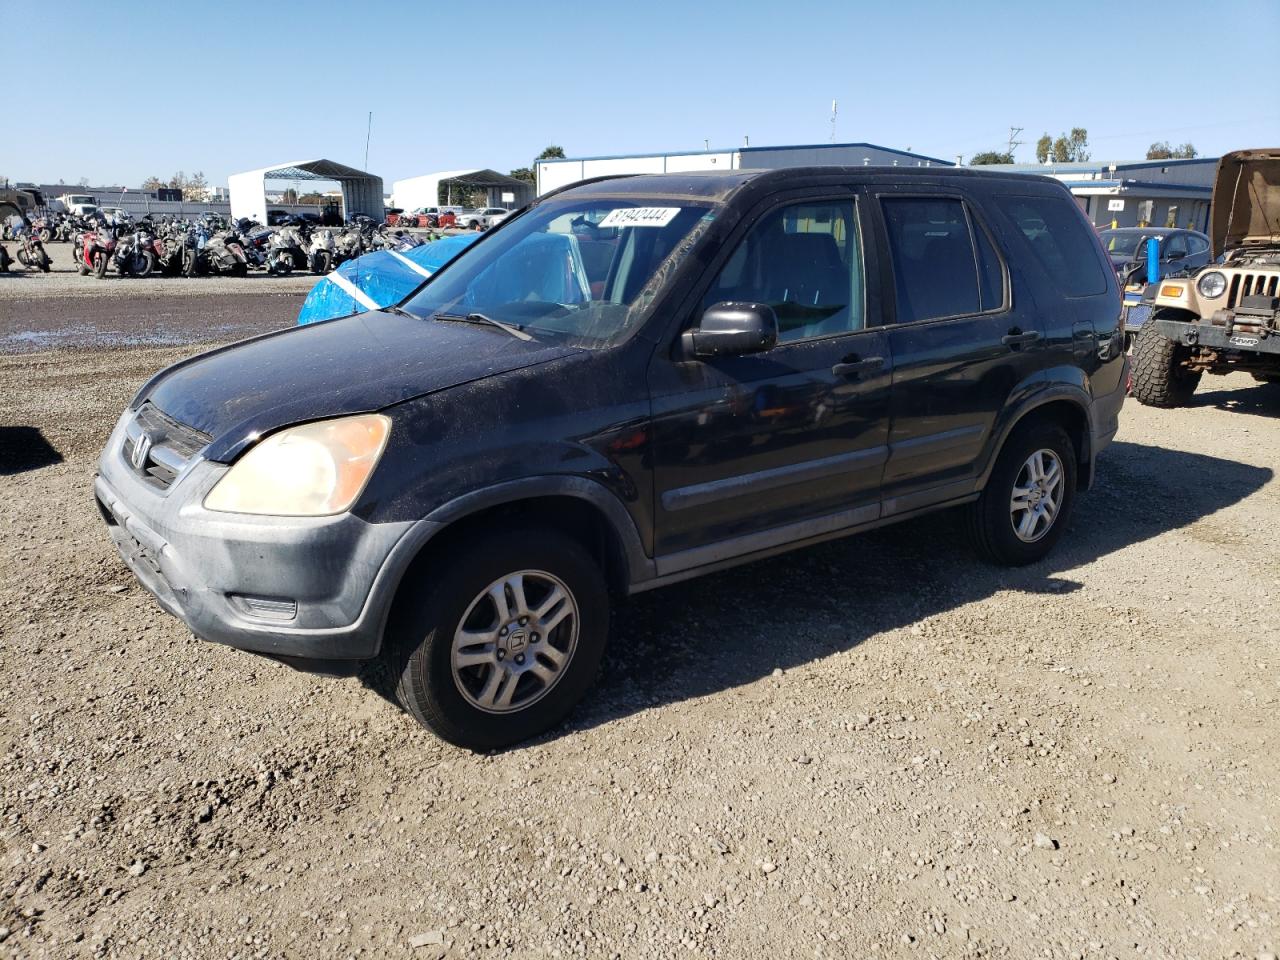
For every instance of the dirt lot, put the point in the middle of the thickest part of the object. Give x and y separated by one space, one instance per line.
872 748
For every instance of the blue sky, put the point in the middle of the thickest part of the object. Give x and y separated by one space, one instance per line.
237 85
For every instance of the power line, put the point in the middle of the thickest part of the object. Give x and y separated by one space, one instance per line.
1013 142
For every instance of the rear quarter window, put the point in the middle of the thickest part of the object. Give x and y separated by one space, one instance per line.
1060 240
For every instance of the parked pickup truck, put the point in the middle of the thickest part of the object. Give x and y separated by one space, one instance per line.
634 381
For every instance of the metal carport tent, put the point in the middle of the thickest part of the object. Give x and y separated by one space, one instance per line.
361 192
424 191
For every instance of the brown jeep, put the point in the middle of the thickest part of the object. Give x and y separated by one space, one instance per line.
1225 316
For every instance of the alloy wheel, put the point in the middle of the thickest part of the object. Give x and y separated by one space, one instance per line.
515 641
1037 495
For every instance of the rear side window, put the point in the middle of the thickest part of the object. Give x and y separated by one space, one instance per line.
938 271
1060 241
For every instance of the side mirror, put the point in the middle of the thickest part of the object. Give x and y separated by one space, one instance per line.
732 329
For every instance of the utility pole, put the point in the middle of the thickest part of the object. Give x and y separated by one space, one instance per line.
1014 143
368 133
834 110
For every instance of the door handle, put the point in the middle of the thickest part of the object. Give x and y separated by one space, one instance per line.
855 367
1016 338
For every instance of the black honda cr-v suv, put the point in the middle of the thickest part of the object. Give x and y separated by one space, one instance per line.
634 381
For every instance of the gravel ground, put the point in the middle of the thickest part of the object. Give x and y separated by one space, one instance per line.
62 309
876 747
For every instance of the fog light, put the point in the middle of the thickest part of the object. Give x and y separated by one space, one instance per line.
269 608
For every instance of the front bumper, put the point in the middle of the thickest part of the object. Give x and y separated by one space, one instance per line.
328 582
1208 335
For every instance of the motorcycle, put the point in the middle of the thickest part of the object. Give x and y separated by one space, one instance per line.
31 252
256 241
94 249
349 245
43 228
5 259
322 251
136 253
287 250
224 254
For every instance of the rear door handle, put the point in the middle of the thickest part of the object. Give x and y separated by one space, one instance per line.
855 367
1016 338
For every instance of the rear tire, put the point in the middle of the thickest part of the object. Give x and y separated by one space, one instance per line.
1159 378
423 656
1019 518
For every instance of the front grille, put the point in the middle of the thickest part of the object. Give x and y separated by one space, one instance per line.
157 447
1252 284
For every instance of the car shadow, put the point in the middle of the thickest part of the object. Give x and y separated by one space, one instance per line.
728 629
1262 399
23 449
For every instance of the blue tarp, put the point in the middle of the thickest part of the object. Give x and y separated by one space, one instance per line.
378 279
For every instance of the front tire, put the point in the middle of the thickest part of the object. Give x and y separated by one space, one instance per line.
1159 377
100 263
1024 508
505 641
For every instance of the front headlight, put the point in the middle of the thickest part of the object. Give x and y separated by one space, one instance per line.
1212 285
312 470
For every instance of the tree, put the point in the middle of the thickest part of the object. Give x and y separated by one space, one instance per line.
1079 143
990 156
82 182
313 198
152 184
1043 148
290 196
1160 150
196 188
528 174
1068 147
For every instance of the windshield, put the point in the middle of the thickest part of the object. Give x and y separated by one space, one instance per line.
574 268
1129 245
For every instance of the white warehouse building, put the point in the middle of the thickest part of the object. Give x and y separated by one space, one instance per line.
553 174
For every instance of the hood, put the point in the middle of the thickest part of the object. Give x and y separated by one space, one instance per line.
1246 200
355 365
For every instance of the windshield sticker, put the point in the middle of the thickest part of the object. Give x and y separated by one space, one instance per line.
639 217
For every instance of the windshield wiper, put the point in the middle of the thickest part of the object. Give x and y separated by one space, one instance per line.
401 311
513 329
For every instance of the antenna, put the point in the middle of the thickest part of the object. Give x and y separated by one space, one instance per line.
368 133
706 144
834 111
1014 143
